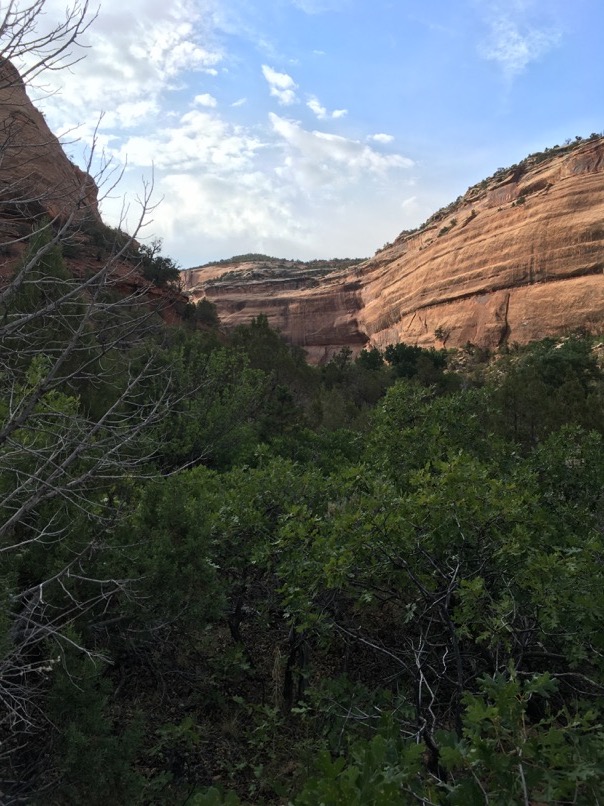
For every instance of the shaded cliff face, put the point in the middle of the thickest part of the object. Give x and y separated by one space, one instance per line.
38 182
36 178
313 304
517 258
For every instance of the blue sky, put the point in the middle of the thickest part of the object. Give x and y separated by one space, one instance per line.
320 128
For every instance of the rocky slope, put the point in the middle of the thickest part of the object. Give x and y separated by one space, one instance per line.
36 178
38 182
519 257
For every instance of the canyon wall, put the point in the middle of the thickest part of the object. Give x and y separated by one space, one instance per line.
36 178
38 183
313 308
519 257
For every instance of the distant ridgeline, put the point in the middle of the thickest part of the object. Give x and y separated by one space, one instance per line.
255 257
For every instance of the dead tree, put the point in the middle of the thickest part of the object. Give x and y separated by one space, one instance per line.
64 337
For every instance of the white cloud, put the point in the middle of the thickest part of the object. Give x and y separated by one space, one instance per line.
411 202
129 114
269 185
208 181
317 158
381 138
205 100
199 140
282 86
314 105
136 52
225 188
223 207
514 40
321 112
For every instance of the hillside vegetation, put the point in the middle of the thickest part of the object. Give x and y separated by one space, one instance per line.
245 579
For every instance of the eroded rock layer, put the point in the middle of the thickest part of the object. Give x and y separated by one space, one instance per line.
517 258
36 178
313 306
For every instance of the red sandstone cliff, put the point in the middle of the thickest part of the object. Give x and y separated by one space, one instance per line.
313 306
36 178
518 257
38 181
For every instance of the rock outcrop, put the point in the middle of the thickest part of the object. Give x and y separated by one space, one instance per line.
36 178
519 257
38 182
313 304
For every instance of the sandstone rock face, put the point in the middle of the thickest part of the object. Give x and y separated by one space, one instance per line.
517 258
36 178
314 307
38 181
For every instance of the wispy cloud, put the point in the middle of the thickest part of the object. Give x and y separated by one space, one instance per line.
315 158
197 140
205 100
381 138
228 181
258 210
321 112
514 41
123 63
282 86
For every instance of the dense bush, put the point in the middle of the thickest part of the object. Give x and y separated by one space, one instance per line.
374 582
157 268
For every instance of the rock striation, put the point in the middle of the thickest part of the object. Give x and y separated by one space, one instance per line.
518 257
313 304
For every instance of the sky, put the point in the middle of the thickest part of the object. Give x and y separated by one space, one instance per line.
316 128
